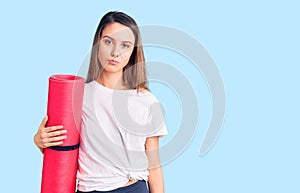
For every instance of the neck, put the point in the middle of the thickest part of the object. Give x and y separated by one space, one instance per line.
112 80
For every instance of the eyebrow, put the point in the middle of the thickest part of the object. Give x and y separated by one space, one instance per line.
114 39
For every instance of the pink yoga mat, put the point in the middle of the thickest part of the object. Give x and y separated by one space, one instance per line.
65 97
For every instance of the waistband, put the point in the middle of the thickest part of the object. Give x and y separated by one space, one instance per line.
129 188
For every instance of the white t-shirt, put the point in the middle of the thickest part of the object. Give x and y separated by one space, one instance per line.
115 125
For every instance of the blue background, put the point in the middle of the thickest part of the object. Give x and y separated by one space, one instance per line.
254 43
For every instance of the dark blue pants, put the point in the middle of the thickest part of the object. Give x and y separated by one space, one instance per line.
138 187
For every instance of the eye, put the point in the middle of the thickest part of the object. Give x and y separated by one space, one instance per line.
125 45
107 41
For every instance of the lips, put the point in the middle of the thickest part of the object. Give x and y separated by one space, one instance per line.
113 62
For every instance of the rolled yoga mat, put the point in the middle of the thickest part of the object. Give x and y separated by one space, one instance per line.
65 97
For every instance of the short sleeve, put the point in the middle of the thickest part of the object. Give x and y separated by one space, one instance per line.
156 118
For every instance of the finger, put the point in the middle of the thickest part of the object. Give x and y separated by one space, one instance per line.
44 121
57 133
56 139
53 128
53 144
47 140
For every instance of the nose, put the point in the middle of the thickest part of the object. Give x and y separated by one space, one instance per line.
116 51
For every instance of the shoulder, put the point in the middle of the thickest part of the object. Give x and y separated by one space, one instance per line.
88 91
147 96
88 85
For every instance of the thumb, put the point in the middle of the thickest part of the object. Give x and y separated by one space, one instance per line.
44 121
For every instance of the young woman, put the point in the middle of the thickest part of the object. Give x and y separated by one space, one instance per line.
121 119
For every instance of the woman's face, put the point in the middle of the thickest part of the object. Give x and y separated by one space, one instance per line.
115 47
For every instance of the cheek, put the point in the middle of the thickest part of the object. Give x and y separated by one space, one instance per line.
126 55
103 53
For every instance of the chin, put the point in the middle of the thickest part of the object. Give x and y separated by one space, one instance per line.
112 70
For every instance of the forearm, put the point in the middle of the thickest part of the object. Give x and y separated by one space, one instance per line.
156 180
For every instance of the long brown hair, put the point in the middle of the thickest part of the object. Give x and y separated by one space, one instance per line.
134 73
